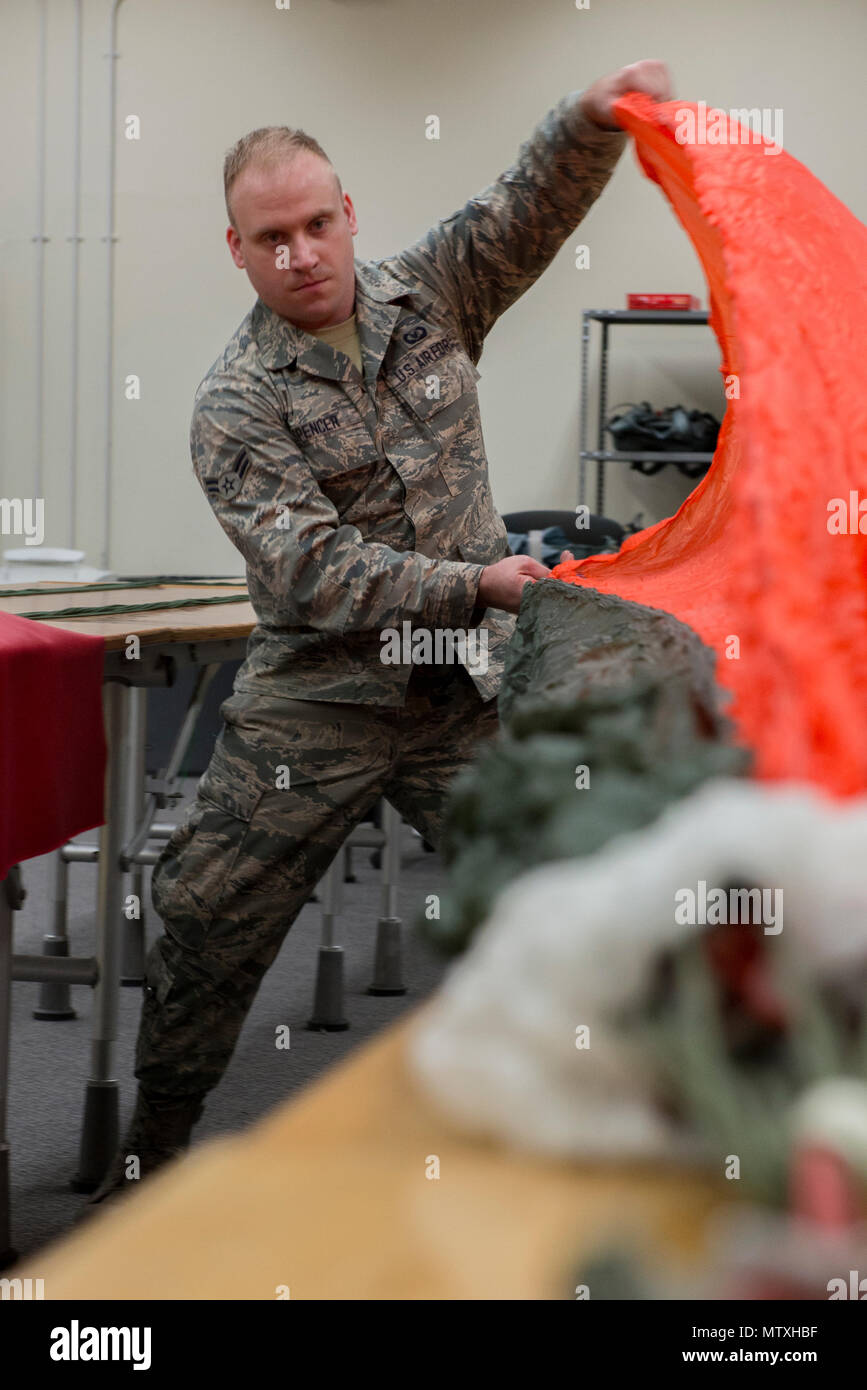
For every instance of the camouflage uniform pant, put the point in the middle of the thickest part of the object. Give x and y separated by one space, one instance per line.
250 851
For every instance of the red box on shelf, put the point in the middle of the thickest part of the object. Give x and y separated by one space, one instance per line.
662 301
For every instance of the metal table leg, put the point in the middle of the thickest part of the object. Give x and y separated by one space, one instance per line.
156 792
132 933
99 1136
7 1254
388 961
55 1003
328 1013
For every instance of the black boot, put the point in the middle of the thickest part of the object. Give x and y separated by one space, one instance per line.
159 1131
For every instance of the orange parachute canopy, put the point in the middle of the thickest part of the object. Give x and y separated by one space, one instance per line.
765 559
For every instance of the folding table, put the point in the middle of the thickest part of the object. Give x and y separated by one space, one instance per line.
166 640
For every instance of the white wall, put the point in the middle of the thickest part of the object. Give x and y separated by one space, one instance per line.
361 75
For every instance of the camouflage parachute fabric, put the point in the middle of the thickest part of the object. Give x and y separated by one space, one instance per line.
600 734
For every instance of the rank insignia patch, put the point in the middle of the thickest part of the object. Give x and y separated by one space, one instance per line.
229 483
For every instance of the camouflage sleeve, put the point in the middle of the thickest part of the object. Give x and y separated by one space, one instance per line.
320 573
483 257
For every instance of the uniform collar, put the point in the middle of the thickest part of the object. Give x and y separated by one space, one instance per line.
280 342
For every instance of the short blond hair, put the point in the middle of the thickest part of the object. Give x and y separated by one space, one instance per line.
269 145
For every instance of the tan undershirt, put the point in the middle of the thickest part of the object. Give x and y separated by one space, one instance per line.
343 337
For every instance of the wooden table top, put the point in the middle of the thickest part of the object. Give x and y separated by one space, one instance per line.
328 1196
222 621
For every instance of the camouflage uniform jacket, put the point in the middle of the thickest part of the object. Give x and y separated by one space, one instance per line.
363 503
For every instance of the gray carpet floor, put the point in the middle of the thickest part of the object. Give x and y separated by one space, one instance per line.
50 1060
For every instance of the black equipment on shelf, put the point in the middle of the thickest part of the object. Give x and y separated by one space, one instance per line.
672 429
691 461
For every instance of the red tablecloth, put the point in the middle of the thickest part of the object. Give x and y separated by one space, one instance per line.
52 743
767 558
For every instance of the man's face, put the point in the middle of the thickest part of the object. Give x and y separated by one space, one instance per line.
296 204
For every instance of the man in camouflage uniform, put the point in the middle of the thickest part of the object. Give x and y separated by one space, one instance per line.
338 440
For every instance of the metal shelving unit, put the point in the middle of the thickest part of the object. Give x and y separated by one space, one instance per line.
600 455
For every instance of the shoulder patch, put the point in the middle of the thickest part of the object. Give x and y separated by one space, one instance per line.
231 480
415 334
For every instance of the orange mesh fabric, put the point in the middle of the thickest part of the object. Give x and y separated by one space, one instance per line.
749 554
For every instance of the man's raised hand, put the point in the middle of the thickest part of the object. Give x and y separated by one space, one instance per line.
650 76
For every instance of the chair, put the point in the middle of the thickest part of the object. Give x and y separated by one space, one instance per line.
533 523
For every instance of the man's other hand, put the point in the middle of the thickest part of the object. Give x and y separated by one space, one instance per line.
650 76
501 584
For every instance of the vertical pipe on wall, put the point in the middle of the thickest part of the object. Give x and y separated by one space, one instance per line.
76 243
110 239
40 239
